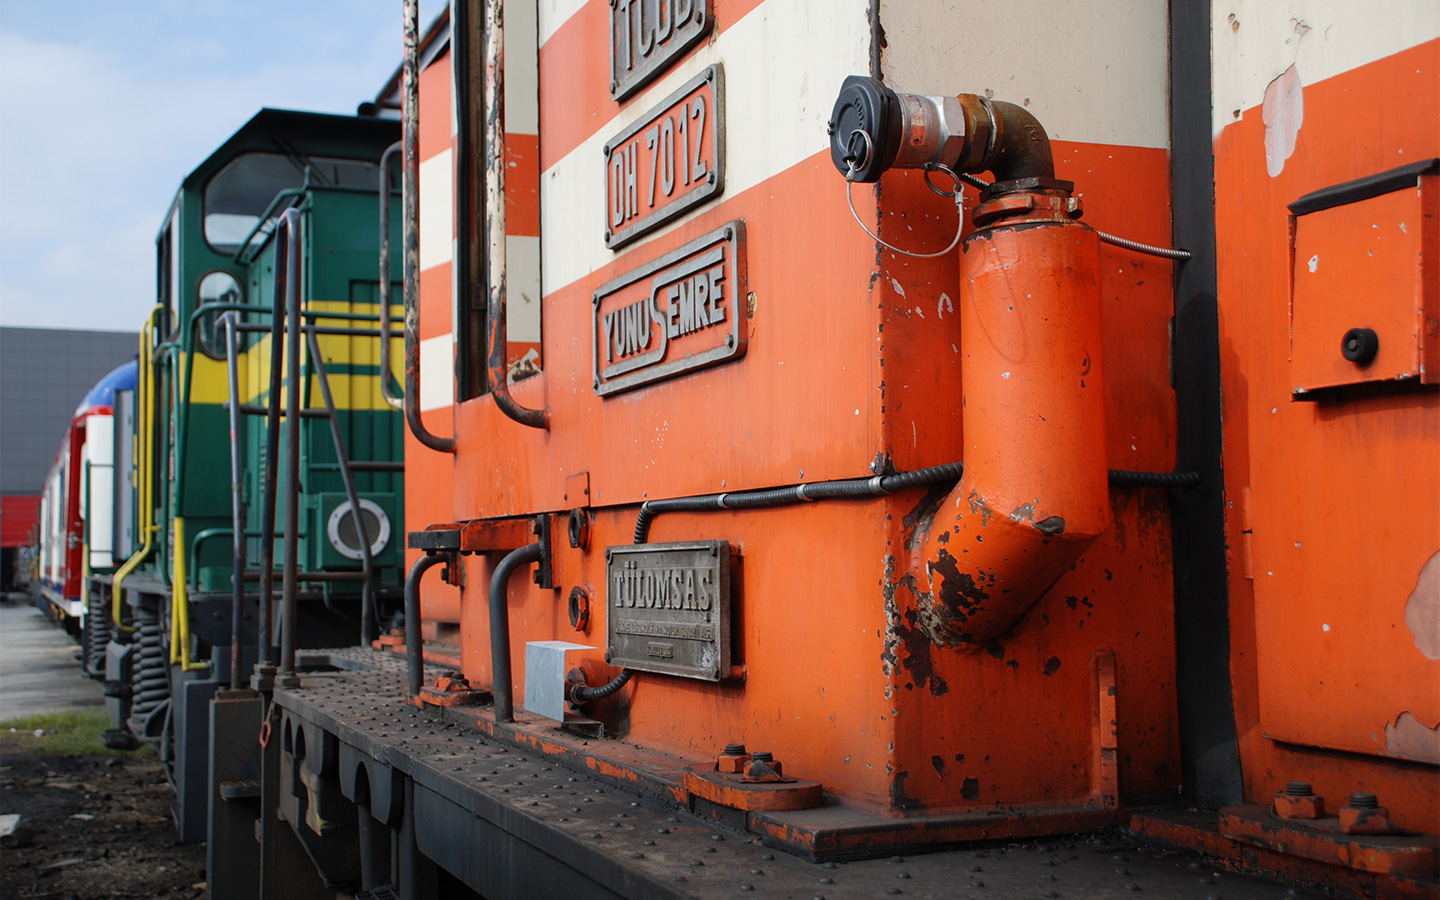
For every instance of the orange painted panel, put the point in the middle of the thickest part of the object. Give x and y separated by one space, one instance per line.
435 107
801 400
1345 493
1365 265
522 184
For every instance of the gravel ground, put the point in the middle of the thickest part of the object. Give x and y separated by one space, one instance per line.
100 828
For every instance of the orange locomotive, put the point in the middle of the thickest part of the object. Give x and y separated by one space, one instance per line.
755 498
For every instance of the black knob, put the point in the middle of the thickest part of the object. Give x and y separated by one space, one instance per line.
864 128
1360 346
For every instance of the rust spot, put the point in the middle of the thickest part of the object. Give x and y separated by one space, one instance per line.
970 788
898 800
1052 665
921 517
1052 526
978 507
938 762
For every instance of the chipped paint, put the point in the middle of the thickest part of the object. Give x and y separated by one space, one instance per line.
1409 738
1422 609
1282 112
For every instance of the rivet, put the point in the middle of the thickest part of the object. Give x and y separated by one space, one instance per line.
827 881
647 843
662 831
637 855
1131 886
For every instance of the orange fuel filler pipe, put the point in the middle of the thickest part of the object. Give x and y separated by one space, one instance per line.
1034 493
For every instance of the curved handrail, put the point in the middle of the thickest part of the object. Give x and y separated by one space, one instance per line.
497 341
384 289
410 202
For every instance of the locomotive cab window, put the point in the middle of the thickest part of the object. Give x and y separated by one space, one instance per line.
218 286
241 193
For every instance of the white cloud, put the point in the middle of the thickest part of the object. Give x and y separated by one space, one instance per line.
94 143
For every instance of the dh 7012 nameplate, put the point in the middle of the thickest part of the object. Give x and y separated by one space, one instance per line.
668 608
668 162
683 311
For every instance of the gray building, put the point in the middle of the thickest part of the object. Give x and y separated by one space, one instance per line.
44 374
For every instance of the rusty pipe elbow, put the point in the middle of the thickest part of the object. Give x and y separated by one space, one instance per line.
1035 491
874 129
1022 148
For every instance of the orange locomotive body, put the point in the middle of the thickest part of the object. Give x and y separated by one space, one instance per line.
857 550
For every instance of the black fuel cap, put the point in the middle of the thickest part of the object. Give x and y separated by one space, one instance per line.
865 109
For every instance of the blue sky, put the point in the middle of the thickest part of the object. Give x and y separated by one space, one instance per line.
106 105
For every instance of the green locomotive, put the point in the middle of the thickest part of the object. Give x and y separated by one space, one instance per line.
282 214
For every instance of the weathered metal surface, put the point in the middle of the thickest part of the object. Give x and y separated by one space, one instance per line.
667 162
647 35
496 804
1323 841
669 608
676 314
729 789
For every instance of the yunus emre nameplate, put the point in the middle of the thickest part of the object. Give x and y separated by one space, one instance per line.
668 162
669 608
646 35
683 311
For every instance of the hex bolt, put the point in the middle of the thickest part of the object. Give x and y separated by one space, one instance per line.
1364 800
1299 788
734 750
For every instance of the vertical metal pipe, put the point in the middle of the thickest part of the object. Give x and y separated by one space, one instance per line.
500 629
410 201
237 501
367 587
414 651
272 442
390 398
497 343
294 422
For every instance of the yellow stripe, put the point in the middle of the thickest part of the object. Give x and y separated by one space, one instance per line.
209 382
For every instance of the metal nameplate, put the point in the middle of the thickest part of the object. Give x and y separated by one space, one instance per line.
681 312
647 35
669 608
668 162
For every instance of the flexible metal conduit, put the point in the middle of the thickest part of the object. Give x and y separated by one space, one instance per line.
500 628
799 493
864 487
393 401
410 202
1148 249
414 652
497 342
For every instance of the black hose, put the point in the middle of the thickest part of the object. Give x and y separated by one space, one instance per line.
862 487
580 694
500 628
1123 478
413 649
799 493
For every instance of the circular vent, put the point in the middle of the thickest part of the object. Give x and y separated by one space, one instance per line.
345 536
